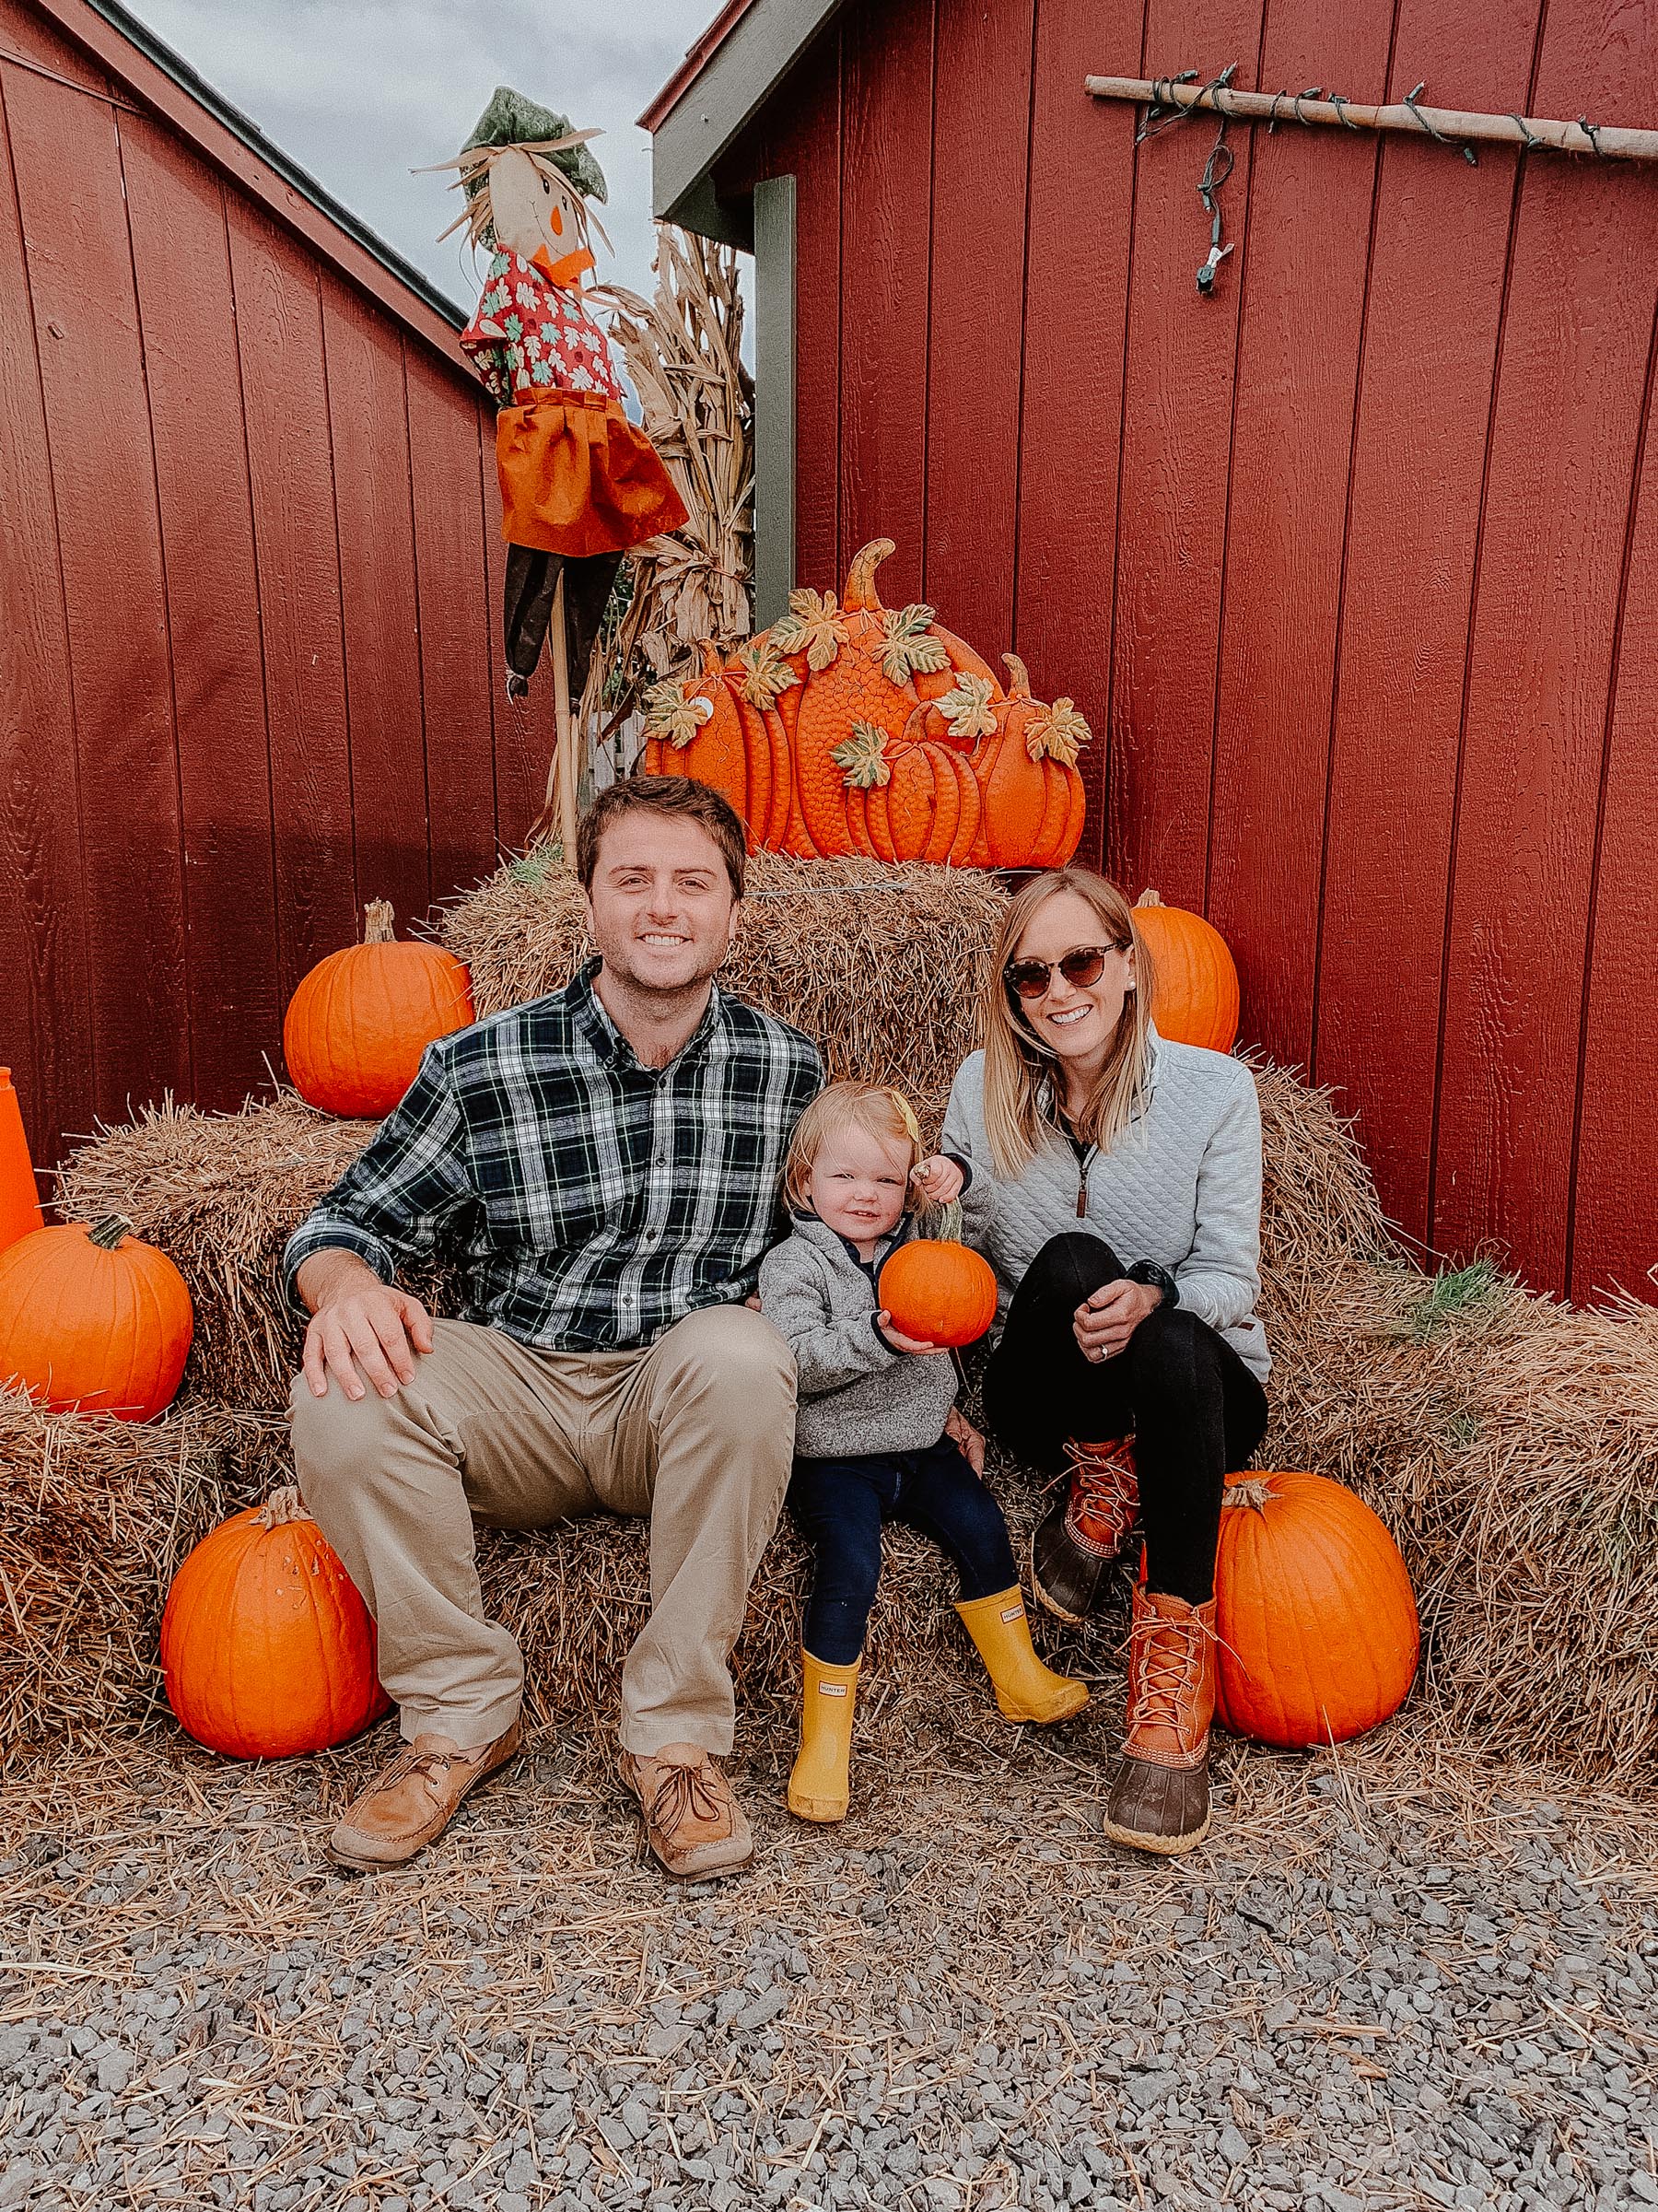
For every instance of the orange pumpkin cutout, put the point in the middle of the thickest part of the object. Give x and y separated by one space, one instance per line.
937 1291
19 1194
1027 765
267 1649
1194 981
360 1020
91 1320
1316 1623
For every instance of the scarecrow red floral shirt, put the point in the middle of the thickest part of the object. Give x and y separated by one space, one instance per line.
530 335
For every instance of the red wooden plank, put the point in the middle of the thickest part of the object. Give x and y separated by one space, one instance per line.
46 1039
1177 442
27 32
981 168
1310 199
1075 318
886 99
279 331
73 220
1419 452
1574 353
808 144
455 662
1615 1220
181 265
368 427
525 730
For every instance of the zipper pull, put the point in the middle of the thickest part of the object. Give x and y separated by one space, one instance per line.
1082 1194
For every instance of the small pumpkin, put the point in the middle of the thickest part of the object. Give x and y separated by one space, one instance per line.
360 1020
91 1320
1314 1619
267 1647
1195 980
1027 764
908 801
937 1290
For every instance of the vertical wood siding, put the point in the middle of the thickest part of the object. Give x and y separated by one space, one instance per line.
247 575
1353 567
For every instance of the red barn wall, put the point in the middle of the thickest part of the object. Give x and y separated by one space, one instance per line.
1353 568
249 550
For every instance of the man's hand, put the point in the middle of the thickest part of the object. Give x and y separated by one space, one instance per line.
361 1331
1104 1324
939 1180
963 1433
883 1321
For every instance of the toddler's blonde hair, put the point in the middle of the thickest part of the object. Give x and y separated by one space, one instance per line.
874 1107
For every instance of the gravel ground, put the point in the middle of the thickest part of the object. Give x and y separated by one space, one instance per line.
1394 1978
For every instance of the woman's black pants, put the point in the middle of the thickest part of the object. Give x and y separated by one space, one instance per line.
1196 1412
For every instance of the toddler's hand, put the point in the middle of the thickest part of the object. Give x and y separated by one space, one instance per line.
939 1180
895 1337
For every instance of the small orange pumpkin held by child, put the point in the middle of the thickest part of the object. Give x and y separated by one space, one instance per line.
1195 979
938 1291
267 1649
93 1321
1316 1625
360 1020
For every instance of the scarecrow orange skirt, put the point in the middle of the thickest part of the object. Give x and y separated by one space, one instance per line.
579 478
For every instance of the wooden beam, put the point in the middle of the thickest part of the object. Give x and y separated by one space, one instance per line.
774 397
1613 142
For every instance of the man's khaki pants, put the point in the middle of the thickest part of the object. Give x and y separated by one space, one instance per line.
696 1432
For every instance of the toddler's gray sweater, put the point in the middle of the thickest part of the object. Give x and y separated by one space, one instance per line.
856 1395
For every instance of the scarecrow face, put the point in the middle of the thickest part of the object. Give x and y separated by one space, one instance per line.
535 207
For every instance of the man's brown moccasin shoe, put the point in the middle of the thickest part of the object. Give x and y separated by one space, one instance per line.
413 1801
693 1822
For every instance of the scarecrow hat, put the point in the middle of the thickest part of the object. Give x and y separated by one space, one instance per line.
510 119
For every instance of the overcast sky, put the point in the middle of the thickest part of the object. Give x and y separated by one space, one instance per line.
360 94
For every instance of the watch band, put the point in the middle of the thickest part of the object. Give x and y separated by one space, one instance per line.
1147 1271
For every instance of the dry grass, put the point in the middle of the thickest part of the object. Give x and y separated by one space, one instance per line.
95 1515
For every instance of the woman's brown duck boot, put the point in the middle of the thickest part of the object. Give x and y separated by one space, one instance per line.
1075 1545
1160 1793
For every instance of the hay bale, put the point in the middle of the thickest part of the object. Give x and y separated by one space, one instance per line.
95 1515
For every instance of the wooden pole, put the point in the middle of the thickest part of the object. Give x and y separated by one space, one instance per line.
1610 140
564 755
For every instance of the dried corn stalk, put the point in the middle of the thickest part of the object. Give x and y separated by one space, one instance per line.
682 353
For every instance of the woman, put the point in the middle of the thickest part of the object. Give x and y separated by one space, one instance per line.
1116 1187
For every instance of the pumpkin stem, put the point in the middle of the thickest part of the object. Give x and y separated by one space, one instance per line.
861 596
379 917
1147 899
283 1505
1252 1492
1020 675
943 1222
107 1232
713 663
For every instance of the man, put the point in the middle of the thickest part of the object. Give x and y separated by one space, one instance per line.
605 1164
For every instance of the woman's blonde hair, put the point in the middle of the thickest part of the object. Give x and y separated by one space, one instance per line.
1021 1072
883 1113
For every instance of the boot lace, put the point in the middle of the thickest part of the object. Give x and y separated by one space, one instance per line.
1105 1488
686 1793
1165 1668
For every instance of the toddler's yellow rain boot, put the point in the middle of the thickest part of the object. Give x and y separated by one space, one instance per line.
819 1788
1025 1689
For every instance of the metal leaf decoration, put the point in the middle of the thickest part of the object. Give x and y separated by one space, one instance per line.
910 649
863 757
814 626
1057 733
967 709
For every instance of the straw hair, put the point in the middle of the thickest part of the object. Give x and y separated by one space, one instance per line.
1021 1072
876 1108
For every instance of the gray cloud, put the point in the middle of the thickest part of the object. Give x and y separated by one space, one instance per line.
360 95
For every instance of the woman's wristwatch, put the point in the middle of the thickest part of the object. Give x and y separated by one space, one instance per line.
1156 1279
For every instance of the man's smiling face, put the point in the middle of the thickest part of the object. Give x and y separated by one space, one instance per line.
660 912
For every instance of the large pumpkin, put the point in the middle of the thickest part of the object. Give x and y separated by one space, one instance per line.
1195 982
360 1021
92 1320
937 1291
1316 1625
267 1647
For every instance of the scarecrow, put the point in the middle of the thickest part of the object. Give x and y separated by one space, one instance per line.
579 483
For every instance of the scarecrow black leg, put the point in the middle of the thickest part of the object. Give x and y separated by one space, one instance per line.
526 610
586 594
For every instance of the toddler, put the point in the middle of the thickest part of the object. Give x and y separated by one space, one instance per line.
870 1440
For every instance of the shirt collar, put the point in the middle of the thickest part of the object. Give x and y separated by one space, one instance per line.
818 1232
608 1041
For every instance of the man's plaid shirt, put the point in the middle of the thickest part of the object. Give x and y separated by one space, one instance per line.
590 1202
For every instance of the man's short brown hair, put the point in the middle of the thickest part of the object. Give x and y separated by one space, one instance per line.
674 797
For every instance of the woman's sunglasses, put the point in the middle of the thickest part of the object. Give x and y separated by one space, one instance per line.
1085 965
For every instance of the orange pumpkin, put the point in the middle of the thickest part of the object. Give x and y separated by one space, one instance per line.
19 1194
1195 982
1315 1620
911 801
937 1291
92 1320
1026 766
360 1020
267 1647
